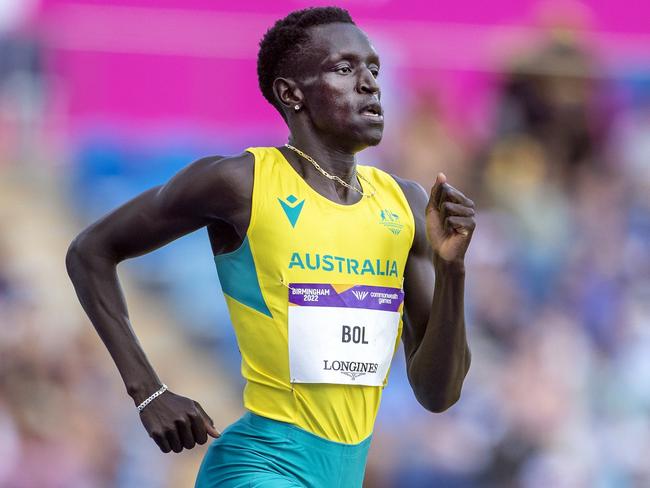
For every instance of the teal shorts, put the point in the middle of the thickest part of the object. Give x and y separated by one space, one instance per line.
263 453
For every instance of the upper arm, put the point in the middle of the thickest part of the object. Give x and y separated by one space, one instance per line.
207 190
419 276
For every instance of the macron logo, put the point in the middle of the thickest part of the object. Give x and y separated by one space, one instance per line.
292 208
361 295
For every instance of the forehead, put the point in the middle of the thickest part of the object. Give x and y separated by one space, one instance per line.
340 38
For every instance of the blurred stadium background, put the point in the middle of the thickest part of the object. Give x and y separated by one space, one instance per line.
540 111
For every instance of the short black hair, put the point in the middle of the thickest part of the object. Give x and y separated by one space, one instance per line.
286 39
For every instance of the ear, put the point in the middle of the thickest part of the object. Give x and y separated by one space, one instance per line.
287 93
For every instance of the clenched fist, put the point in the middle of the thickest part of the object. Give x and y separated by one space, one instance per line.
450 221
175 422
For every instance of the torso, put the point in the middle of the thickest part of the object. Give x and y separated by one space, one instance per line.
295 235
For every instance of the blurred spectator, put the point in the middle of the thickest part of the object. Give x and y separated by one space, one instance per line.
548 98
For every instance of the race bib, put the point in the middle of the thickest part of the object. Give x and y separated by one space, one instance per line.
342 334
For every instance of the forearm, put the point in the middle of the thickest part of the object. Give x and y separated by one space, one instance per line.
440 363
98 289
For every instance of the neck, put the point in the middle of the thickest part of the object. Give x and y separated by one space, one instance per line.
334 160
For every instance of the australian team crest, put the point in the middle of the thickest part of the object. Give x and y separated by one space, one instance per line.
390 220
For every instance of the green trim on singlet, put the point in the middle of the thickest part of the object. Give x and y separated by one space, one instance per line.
238 277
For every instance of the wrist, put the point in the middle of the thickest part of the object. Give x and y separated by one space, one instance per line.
152 397
453 267
141 391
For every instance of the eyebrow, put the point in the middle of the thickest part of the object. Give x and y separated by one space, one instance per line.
372 56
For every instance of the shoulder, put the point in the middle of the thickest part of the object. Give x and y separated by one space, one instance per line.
211 181
218 168
415 194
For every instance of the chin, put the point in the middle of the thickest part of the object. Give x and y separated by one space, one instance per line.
374 137
356 139
364 142
375 140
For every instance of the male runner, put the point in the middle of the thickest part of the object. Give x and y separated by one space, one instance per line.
319 259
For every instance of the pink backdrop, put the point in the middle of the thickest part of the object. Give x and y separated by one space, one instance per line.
192 62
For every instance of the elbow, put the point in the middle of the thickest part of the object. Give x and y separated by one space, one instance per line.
438 403
438 396
438 391
82 253
74 257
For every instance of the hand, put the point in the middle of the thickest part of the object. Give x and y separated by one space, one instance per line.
175 422
450 221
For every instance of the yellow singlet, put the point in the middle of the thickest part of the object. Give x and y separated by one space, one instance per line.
297 236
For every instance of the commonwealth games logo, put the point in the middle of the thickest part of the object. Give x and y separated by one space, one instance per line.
390 220
361 295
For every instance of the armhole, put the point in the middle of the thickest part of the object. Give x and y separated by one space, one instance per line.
255 195
407 205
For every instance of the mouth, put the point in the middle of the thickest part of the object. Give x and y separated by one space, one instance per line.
373 111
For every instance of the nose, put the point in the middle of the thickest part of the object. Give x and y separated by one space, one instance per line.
368 83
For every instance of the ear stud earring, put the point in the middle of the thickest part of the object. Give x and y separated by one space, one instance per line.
296 107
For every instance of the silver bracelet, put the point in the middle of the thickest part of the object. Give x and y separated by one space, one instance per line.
148 400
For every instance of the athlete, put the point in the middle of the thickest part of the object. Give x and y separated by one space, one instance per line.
325 265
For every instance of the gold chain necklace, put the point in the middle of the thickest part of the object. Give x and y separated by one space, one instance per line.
334 177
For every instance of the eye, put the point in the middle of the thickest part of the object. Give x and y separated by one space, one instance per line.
345 69
375 72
